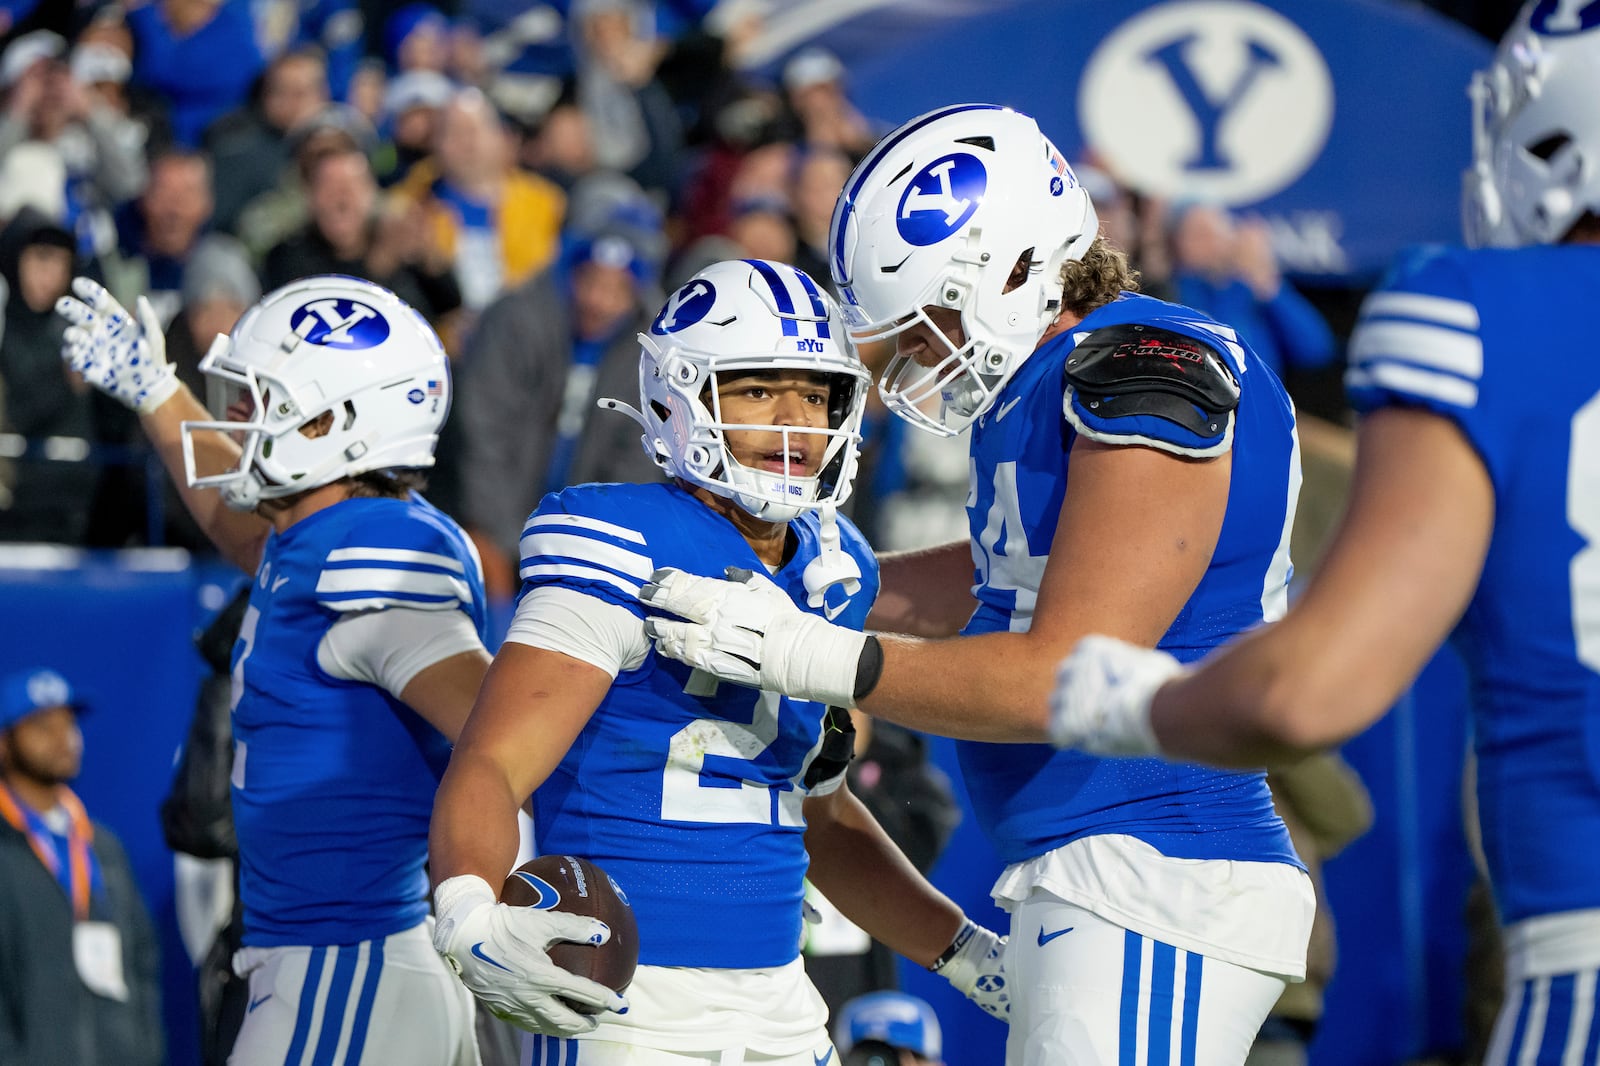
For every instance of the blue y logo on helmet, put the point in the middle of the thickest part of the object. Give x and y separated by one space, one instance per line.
1555 17
340 323
940 199
549 895
685 307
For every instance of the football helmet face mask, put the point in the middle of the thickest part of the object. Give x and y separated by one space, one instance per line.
731 319
325 344
940 214
1535 130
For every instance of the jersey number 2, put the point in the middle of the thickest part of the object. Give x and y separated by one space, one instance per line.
700 746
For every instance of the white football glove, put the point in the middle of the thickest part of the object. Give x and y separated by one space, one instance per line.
1101 702
748 631
123 357
500 954
978 970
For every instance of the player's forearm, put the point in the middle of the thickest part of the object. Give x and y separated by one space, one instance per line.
994 687
474 828
926 593
238 535
1276 696
863 873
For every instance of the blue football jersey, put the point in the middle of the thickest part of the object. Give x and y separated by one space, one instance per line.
1484 338
1032 799
687 792
333 780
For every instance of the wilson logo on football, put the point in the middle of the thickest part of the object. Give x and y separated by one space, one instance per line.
340 324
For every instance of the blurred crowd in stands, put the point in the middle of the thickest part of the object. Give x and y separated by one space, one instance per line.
530 178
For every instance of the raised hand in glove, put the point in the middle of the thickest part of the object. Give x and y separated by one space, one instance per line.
500 953
122 356
1101 702
748 631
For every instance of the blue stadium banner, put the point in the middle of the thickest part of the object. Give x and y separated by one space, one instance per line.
1344 123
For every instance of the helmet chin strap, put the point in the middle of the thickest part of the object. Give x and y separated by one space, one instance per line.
832 566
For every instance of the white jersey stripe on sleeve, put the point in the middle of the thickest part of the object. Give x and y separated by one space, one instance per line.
413 582
582 522
355 602
1430 346
578 570
1440 310
1411 380
396 555
571 546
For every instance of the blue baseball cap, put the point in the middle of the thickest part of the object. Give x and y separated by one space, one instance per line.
23 693
894 1018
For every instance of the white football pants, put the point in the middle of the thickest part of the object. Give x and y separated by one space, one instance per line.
389 1002
1087 992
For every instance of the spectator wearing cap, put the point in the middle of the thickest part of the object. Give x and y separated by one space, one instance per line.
888 1029
79 970
412 104
201 55
417 37
530 375
821 112
249 146
51 101
495 222
51 497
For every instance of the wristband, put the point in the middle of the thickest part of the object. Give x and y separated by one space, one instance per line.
869 667
969 929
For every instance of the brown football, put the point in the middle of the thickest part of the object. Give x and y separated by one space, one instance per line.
574 885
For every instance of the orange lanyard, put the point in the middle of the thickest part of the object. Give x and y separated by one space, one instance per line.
80 834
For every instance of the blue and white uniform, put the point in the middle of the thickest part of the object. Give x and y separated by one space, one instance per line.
333 785
1485 339
687 792
1185 874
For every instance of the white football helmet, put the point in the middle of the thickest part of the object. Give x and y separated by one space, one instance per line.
327 343
1536 130
744 315
939 214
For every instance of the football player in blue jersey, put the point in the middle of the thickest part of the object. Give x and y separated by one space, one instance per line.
1474 510
701 800
1156 910
358 660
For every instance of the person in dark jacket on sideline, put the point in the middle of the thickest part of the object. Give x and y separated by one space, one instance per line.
79 968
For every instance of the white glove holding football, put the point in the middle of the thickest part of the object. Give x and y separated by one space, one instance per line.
1101 702
123 357
978 970
747 630
499 952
